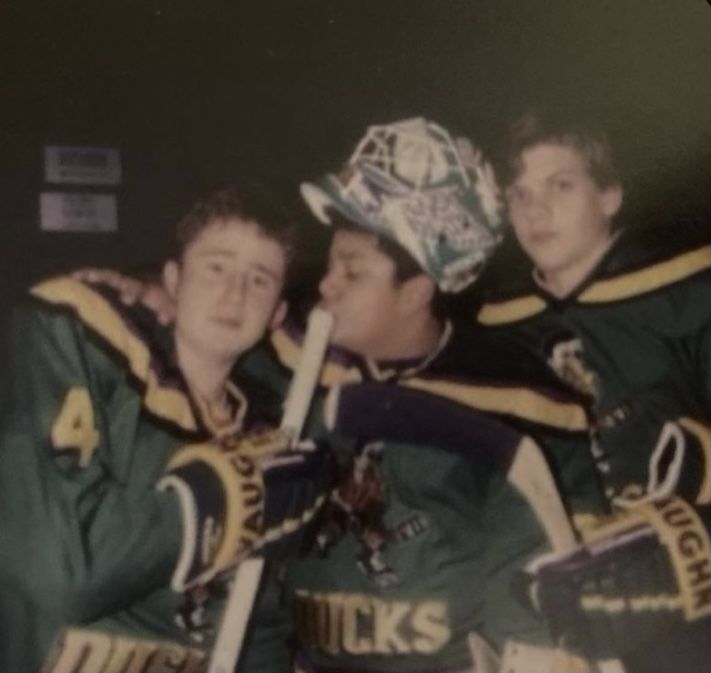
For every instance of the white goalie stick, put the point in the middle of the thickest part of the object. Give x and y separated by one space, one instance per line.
240 602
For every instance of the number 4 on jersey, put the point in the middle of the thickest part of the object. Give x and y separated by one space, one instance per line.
73 429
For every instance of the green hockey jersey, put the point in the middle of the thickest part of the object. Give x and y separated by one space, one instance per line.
93 407
635 339
439 548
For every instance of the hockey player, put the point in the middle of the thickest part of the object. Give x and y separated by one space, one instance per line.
127 482
627 322
436 514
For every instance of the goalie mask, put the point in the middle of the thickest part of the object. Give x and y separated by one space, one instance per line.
434 196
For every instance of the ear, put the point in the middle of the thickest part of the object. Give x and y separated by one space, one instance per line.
612 200
171 277
279 314
417 293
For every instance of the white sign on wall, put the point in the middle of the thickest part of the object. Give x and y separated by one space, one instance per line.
65 211
80 165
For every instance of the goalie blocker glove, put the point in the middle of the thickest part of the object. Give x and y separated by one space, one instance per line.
639 577
252 495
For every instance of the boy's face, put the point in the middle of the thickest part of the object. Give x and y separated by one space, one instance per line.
360 291
227 289
560 215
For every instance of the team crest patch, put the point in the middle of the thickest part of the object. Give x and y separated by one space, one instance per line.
565 356
358 505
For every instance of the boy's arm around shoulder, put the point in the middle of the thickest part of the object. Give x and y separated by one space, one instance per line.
79 540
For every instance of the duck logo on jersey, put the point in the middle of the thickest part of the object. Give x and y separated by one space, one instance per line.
359 505
565 356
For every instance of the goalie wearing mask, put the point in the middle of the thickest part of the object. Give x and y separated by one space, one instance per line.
444 494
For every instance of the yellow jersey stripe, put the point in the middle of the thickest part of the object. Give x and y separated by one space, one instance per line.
620 287
521 403
510 311
100 316
650 278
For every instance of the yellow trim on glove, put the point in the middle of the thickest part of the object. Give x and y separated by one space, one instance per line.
686 539
244 492
100 317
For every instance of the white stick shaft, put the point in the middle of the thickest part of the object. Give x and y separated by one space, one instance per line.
530 473
303 384
243 592
235 618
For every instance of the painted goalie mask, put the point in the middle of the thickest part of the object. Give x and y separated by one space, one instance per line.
434 196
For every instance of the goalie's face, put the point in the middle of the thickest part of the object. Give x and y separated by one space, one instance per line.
227 290
370 308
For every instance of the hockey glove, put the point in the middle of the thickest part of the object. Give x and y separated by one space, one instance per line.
256 495
647 571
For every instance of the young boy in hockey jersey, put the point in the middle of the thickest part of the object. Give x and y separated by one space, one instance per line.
626 322
126 488
415 564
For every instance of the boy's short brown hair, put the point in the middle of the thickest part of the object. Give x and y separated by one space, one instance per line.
252 202
541 126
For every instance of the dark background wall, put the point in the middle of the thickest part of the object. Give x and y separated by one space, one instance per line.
200 93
